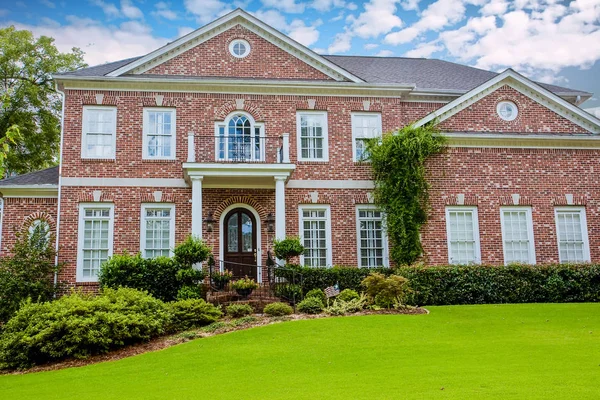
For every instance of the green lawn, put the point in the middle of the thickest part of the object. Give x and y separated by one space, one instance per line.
531 351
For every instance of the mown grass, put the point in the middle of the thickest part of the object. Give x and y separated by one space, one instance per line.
528 351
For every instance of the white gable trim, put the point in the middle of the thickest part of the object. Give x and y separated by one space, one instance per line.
526 87
237 17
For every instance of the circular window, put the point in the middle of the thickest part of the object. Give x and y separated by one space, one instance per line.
239 48
507 110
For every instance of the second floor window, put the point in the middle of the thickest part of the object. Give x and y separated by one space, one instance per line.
240 138
99 132
312 136
159 133
364 126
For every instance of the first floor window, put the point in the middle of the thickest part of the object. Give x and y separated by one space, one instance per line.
517 235
95 239
463 235
571 231
159 133
312 136
158 230
99 132
372 240
365 126
315 232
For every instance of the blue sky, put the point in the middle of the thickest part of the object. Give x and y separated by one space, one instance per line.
548 40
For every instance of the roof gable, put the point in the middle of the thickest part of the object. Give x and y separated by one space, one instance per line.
525 86
237 17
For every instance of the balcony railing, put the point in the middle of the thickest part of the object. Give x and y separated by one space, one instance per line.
238 148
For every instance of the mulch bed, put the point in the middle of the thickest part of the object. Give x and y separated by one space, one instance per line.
182 337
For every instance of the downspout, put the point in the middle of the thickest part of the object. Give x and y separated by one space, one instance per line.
62 131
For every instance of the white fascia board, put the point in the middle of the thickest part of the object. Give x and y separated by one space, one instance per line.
538 141
35 191
246 20
453 107
238 170
125 182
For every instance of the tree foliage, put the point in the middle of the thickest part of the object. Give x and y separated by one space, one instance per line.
401 188
30 113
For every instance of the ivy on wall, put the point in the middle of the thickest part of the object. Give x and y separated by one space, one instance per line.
401 188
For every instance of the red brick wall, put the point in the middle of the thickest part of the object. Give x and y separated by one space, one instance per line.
212 59
20 212
488 177
533 117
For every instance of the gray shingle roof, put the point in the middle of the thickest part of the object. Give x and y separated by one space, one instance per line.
427 74
47 176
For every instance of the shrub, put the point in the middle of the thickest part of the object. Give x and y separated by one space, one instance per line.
318 293
163 277
192 313
190 292
288 291
278 309
342 307
239 310
288 248
386 292
28 273
80 325
347 295
311 305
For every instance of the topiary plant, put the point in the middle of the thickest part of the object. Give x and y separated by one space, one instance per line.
288 248
347 295
318 293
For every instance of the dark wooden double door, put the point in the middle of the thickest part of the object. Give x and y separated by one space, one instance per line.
240 252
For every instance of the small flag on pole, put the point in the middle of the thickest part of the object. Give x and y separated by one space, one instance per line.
332 291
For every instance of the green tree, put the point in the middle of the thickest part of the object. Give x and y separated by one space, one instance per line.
31 107
401 188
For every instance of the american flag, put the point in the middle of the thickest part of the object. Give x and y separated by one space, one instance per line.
332 291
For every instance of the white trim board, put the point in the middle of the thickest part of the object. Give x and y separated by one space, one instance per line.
224 23
525 86
125 182
330 184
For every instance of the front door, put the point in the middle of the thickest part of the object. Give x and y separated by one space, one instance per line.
240 243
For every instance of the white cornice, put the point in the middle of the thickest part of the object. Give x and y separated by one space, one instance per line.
124 182
525 86
224 23
30 191
508 141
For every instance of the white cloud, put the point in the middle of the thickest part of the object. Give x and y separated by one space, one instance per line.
288 6
378 18
130 11
184 30
424 50
410 4
306 35
206 11
371 46
101 42
273 18
342 42
351 6
164 10
326 5
494 7
385 53
48 3
109 9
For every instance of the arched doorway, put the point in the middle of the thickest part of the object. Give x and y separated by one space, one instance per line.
240 247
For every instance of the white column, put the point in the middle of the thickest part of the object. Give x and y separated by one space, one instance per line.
196 206
191 148
286 148
279 207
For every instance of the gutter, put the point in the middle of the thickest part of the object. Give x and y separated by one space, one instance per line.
62 131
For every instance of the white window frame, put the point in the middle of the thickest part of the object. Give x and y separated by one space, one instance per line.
584 231
80 236
323 114
253 125
386 258
146 141
529 221
355 135
476 237
84 136
146 206
314 207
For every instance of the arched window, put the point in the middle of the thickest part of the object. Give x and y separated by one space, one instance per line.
239 138
39 233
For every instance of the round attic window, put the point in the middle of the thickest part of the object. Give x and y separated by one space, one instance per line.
507 110
239 48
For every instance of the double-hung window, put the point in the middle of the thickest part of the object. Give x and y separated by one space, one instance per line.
372 238
157 230
96 221
365 126
312 136
517 235
462 229
571 232
99 132
159 133
315 234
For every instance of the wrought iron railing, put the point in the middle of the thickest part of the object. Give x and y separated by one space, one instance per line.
238 148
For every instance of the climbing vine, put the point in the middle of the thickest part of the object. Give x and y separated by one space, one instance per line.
401 188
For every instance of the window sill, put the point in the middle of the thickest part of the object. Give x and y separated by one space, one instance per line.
98 160
160 160
87 283
312 162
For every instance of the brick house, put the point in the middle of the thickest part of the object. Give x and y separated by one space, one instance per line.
240 135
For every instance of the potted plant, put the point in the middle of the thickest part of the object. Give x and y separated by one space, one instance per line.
244 286
221 278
